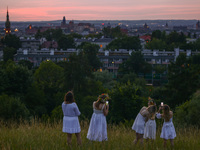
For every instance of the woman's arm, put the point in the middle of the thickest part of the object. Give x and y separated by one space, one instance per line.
105 110
77 112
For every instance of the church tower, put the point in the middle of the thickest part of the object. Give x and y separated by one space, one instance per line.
7 24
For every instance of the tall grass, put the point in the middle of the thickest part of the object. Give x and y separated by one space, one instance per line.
41 136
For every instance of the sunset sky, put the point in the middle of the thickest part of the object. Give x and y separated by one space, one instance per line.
45 10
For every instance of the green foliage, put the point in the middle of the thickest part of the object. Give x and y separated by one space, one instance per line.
98 36
49 75
26 63
12 40
90 52
135 64
35 100
65 42
161 41
126 42
12 108
125 102
87 106
112 32
8 54
75 72
57 114
50 34
183 78
156 44
106 78
188 113
16 79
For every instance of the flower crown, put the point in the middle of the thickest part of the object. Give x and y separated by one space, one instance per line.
151 101
103 100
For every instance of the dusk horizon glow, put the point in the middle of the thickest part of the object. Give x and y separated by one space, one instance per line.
49 10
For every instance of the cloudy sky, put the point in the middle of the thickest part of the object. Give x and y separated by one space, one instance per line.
44 10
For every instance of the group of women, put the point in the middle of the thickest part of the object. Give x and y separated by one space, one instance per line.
144 124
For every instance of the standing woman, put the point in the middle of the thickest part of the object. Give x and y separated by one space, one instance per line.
139 123
98 126
150 125
70 120
168 131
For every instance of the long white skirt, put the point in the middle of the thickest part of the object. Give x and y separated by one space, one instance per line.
150 129
71 125
139 124
98 128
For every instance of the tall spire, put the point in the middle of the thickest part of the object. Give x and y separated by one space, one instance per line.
7 15
7 24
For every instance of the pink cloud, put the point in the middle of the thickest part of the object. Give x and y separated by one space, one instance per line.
123 12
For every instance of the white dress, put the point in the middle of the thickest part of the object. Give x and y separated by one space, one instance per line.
70 118
150 129
98 126
168 130
139 124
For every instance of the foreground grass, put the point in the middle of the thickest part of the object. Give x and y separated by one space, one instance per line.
38 136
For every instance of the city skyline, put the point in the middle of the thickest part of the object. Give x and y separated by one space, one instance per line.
47 10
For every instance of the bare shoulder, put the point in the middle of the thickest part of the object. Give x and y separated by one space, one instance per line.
171 113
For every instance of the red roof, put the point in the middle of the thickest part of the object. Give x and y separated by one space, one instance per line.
146 37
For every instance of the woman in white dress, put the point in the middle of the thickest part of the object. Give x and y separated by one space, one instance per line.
70 119
139 123
98 126
168 131
150 125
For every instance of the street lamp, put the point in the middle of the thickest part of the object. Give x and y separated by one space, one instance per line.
113 68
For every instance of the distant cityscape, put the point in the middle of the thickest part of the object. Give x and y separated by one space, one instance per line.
38 50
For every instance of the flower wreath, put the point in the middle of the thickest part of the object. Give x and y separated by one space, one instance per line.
103 100
151 101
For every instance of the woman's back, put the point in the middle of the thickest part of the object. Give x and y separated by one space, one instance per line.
98 126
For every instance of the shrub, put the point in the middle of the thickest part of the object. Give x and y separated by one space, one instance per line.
12 108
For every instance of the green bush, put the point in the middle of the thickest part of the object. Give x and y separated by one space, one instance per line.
188 113
12 108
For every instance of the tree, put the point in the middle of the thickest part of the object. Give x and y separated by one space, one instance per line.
35 100
106 78
183 78
26 63
12 40
90 51
75 72
135 64
125 43
188 112
156 44
12 108
8 54
125 102
16 79
156 34
65 42
49 78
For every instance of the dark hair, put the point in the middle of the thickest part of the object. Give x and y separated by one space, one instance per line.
69 97
152 109
166 113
